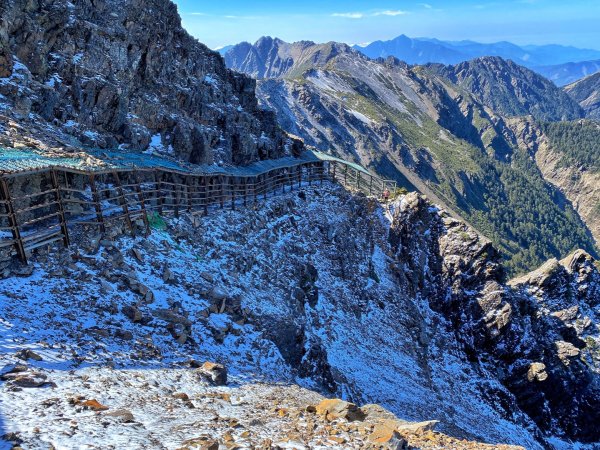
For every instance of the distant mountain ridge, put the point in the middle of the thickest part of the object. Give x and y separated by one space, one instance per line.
560 64
273 58
425 50
567 73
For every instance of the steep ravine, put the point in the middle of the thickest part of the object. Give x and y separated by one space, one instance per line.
578 179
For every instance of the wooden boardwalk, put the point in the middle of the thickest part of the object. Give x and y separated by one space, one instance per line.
42 199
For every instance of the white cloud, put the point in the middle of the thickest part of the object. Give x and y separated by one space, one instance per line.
351 15
426 5
391 13
361 15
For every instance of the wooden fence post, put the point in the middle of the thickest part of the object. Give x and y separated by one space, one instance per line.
158 191
222 189
266 188
206 195
175 192
12 218
232 189
96 199
189 190
123 200
61 211
140 195
254 185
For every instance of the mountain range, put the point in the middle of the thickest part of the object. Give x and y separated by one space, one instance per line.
560 64
470 136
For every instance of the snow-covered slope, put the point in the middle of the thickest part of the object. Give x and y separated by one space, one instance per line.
316 288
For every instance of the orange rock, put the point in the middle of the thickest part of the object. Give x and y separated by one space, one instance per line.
388 439
94 405
335 409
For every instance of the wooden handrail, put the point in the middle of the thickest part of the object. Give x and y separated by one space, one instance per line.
163 191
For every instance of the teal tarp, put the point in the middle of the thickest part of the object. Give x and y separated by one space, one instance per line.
24 160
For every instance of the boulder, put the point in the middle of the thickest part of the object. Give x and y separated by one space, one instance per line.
537 372
137 254
181 396
93 405
26 354
121 415
566 351
200 443
416 427
217 294
335 408
384 438
6 63
214 373
134 314
171 317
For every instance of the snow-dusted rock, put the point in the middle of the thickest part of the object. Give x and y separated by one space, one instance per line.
396 308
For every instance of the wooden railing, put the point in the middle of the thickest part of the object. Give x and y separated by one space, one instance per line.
69 197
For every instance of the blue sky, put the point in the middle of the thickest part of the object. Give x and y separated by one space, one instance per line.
568 22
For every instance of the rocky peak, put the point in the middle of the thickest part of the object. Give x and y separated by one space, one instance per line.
110 74
510 89
273 58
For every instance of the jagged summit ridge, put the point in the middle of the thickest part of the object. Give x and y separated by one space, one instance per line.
274 58
110 74
510 89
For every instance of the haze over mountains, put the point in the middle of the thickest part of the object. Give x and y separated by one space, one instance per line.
464 134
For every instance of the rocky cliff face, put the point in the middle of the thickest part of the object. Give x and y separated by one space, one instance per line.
112 74
587 93
402 306
411 124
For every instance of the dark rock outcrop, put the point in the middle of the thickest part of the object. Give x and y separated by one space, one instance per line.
530 333
111 74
